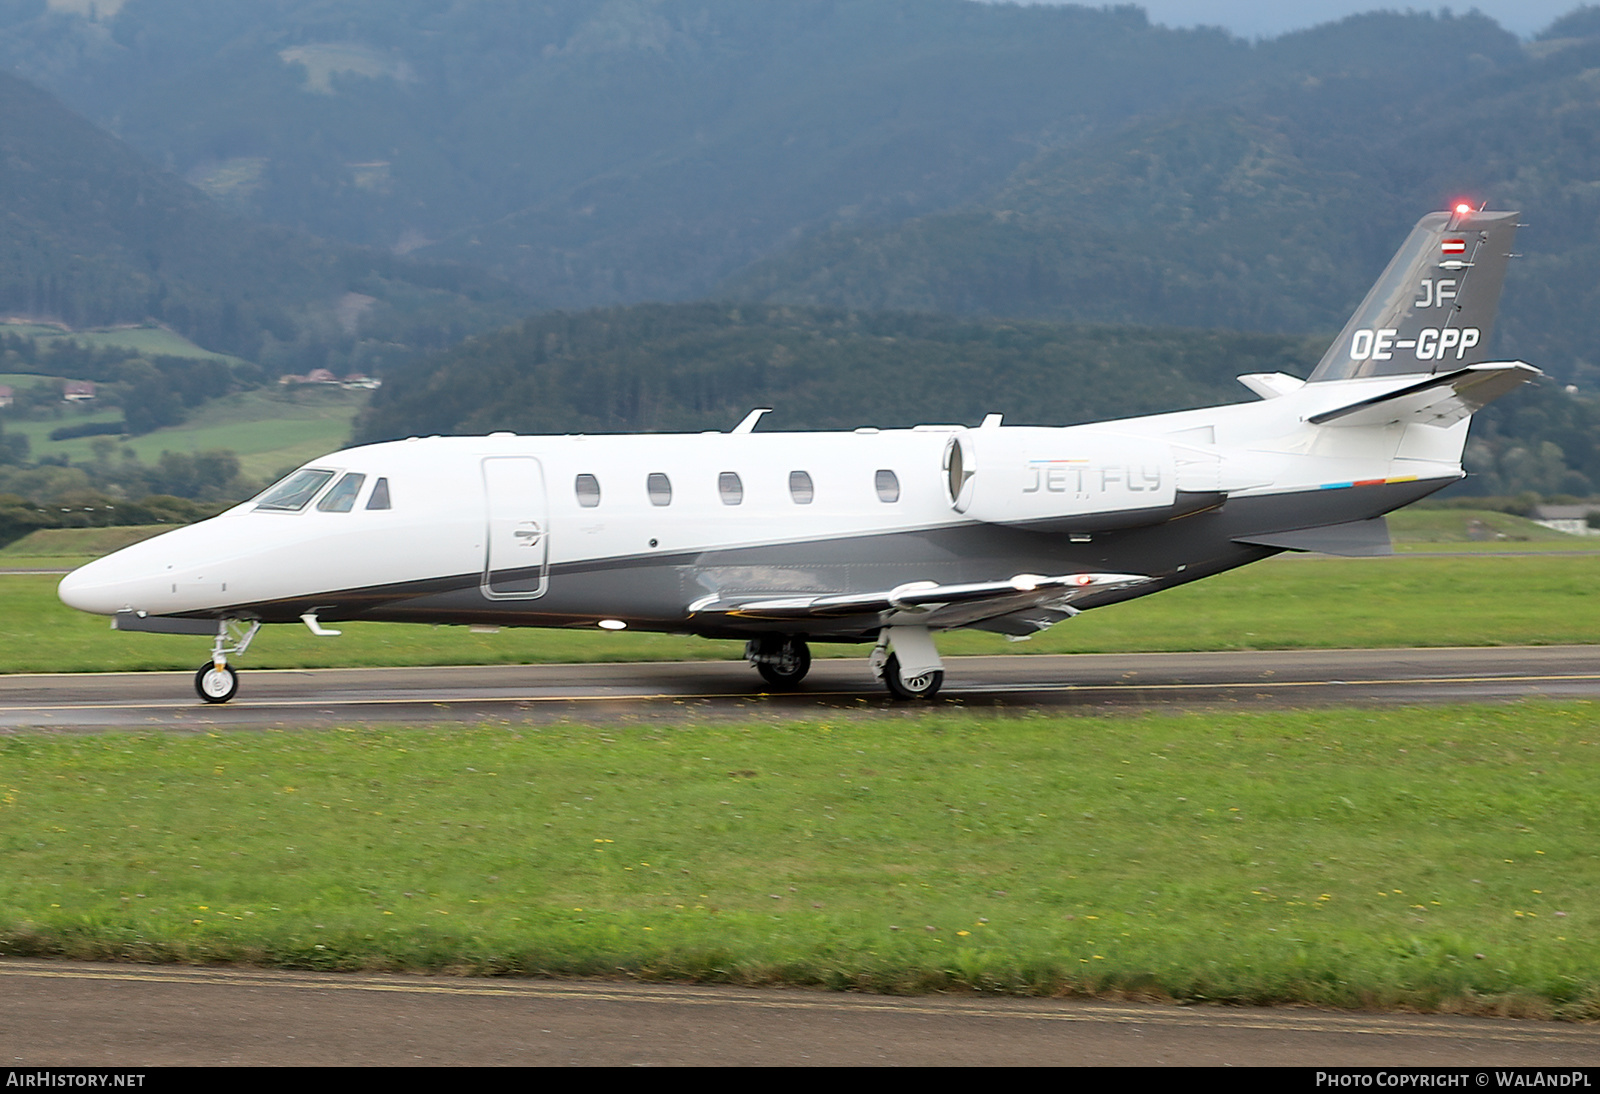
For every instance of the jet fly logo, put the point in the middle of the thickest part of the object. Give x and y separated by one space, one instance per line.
1081 478
1453 246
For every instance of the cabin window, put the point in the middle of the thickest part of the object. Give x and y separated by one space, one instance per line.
888 486
342 498
800 488
588 491
380 495
291 494
660 488
731 489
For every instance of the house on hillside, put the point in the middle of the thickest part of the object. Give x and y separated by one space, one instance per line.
77 391
1571 519
6 395
354 381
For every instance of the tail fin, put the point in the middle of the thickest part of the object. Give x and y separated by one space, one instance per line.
1433 309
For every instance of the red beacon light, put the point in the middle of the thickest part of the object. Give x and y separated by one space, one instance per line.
1462 208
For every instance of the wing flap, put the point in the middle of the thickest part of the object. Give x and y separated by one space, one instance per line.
928 602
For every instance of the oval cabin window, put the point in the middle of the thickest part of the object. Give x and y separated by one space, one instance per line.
660 488
731 489
800 488
587 487
888 486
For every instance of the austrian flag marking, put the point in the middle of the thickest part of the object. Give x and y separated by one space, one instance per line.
1454 246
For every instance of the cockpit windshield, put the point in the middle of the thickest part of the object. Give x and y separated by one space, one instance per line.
342 498
291 494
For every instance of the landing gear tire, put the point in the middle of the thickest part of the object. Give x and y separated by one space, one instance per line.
925 686
784 663
214 684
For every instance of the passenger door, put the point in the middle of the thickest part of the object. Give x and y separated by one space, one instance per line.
516 562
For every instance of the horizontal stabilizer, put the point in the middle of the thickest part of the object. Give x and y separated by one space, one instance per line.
1441 400
1271 385
934 604
1357 539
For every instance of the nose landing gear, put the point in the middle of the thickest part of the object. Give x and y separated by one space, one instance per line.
216 681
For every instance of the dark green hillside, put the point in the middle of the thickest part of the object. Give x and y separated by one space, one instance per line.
93 235
1211 220
606 150
1047 161
704 366
1278 210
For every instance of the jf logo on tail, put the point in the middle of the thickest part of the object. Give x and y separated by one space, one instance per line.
882 538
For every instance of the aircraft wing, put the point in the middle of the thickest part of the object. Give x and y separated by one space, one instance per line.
926 602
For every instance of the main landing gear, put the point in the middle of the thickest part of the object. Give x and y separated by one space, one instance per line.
905 659
912 670
782 659
216 681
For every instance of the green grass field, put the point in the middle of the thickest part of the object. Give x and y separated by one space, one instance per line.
156 341
1434 858
1437 859
269 429
69 548
1283 603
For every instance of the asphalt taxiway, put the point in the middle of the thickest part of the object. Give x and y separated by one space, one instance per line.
700 689
130 1016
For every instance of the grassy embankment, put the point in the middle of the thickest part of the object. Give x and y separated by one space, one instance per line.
1431 530
1435 859
1288 602
270 429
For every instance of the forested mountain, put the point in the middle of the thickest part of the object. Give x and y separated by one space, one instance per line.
603 150
1047 161
354 180
1277 210
94 235
686 367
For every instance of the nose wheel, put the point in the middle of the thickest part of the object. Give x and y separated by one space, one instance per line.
216 683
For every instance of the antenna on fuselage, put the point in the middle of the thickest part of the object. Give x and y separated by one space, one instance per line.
750 420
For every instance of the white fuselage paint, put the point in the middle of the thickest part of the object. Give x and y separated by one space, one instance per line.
464 505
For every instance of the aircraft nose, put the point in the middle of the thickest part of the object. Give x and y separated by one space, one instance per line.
94 588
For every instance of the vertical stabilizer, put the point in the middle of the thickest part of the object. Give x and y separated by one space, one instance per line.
1434 307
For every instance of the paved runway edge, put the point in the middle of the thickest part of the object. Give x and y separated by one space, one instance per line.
1056 682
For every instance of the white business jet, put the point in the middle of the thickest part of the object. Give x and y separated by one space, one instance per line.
875 537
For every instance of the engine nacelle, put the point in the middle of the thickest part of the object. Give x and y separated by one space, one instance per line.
1066 480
